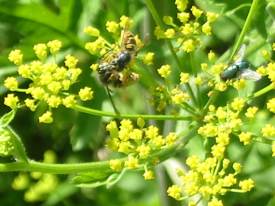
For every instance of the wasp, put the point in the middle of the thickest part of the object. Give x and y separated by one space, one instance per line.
113 68
240 69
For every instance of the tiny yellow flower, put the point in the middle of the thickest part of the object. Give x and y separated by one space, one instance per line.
40 51
70 61
116 165
143 151
92 31
168 20
16 57
11 101
54 46
193 161
211 55
184 77
94 67
268 130
112 26
30 103
148 175
131 162
218 150
37 92
125 22
211 17
250 112
183 17
171 138
169 33
266 54
175 192
188 45
54 87
237 167
148 58
181 4
246 185
151 132
262 70
187 29
136 134
24 71
20 182
46 118
204 66
178 96
196 12
271 105
245 137
164 71
198 80
206 28
85 94
221 86
69 101
11 83
54 101
215 202
238 104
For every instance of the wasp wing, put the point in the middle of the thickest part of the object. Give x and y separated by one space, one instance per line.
250 75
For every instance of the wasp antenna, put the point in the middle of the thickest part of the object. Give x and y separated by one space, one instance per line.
112 101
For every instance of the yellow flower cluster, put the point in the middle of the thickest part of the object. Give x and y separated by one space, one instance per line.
269 71
6 143
193 24
40 190
50 83
209 178
136 143
100 46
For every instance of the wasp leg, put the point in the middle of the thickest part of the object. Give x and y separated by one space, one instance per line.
112 101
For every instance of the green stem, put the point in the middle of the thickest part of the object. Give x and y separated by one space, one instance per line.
246 26
158 21
263 91
129 116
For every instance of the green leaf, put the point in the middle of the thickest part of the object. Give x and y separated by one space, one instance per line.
7 118
19 148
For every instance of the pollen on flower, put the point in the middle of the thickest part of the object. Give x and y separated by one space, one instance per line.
116 164
164 71
11 83
54 46
46 118
86 94
16 56
40 50
11 101
92 31
148 58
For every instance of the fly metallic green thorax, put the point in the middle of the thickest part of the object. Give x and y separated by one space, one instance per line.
234 70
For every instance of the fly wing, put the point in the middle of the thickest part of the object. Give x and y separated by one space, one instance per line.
250 74
240 54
